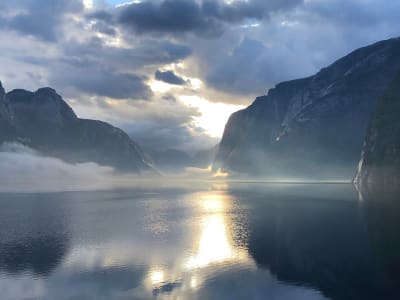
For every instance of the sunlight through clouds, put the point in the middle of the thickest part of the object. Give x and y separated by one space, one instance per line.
88 4
214 115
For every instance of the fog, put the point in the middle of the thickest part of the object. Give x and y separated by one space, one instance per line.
23 169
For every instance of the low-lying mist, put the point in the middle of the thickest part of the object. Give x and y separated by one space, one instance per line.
23 169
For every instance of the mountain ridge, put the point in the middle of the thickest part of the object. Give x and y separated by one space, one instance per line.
313 127
43 121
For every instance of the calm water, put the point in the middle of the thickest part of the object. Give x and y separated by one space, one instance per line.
218 242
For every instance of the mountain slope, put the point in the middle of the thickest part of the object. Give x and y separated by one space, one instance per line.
45 122
380 159
311 128
6 127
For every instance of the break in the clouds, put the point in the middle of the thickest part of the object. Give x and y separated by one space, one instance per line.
137 64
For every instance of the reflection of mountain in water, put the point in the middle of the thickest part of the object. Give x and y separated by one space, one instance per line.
382 211
320 243
32 233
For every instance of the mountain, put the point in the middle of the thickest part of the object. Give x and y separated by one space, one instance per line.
170 159
380 159
311 128
44 121
6 128
175 160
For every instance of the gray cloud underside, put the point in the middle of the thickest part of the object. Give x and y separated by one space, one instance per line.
96 69
39 18
205 18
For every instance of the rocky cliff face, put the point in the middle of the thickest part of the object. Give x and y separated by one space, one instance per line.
45 122
311 128
380 159
6 128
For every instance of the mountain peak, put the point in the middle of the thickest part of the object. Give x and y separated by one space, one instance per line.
2 91
47 90
49 125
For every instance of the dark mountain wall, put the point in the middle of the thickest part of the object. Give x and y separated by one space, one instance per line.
6 127
311 128
380 158
45 122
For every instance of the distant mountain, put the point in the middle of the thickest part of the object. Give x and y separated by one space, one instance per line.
311 128
380 161
176 160
204 158
45 122
170 159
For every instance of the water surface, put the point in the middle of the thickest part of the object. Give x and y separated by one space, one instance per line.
243 241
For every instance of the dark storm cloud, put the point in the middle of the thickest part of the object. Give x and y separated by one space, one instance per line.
205 18
168 16
169 77
39 18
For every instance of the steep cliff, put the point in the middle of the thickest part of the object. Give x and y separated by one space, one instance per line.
311 128
380 159
6 127
45 122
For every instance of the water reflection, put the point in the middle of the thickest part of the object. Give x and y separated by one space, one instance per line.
215 244
240 242
212 246
33 234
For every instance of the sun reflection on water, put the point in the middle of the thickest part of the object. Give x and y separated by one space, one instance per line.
213 244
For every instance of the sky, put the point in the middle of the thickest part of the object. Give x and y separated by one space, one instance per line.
170 72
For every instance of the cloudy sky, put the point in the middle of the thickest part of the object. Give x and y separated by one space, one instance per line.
170 72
